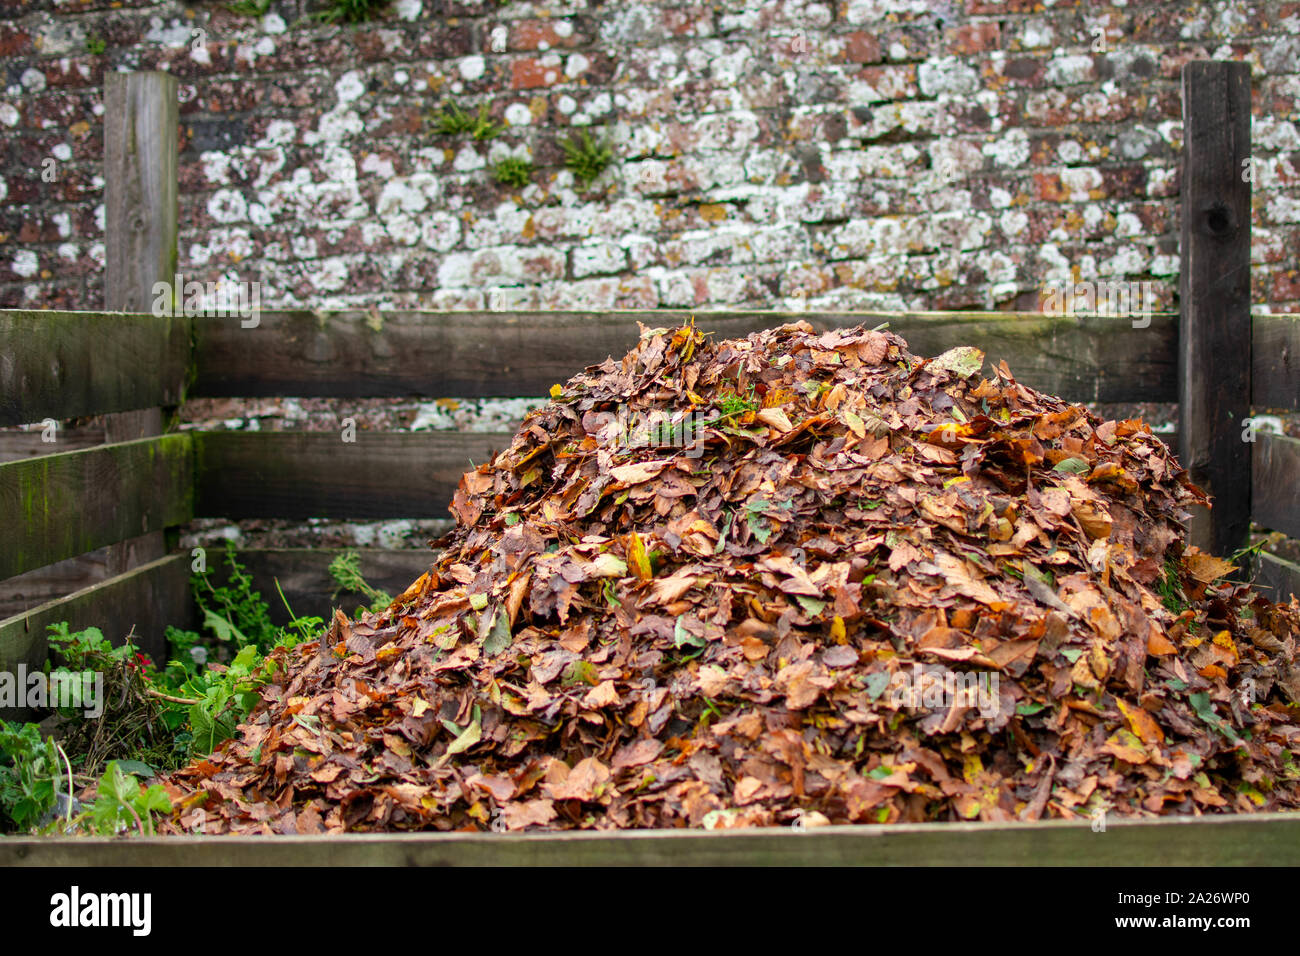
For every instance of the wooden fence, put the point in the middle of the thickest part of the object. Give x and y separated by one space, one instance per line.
1264 839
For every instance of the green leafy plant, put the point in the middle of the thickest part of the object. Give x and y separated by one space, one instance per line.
169 717
95 44
81 650
345 569
735 405
121 803
513 171
220 698
130 721
585 156
29 769
350 11
235 613
188 655
207 698
451 120
250 8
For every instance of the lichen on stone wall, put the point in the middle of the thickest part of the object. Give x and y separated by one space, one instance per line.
861 154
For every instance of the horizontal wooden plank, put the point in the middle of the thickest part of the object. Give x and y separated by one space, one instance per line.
519 354
1276 577
1228 840
318 475
25 591
16 445
64 364
60 506
1275 361
303 575
1275 483
147 598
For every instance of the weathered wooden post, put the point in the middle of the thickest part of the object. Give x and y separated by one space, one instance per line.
140 213
140 204
1214 298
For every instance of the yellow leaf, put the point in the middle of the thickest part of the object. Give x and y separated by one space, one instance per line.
1142 723
557 391
637 559
838 634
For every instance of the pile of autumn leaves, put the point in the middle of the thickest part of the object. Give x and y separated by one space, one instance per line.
789 579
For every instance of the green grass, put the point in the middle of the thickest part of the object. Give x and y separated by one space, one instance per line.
351 11
513 172
250 8
454 121
1170 590
585 156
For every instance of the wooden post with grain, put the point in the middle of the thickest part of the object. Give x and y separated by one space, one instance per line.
140 233
1214 299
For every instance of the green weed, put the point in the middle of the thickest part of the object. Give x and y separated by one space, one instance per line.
585 156
513 171
454 121
250 8
350 11
345 569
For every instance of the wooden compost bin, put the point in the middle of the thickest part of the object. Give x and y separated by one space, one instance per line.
132 496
